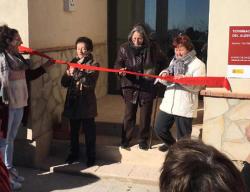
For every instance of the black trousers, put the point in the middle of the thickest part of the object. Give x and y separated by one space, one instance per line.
164 123
4 113
89 128
246 175
129 121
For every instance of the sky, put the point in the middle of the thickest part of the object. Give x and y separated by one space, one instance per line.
185 13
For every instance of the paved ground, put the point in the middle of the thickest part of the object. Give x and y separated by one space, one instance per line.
119 170
40 181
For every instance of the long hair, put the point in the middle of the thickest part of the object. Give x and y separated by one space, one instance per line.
7 35
140 28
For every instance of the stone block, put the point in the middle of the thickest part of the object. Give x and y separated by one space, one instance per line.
212 132
214 107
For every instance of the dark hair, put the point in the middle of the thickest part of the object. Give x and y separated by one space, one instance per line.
87 41
6 36
192 166
184 40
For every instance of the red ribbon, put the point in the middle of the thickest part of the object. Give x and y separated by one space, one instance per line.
198 81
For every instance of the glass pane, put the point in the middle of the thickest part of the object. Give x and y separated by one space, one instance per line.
150 13
166 18
183 14
190 17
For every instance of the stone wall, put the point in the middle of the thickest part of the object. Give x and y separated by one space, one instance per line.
225 122
225 119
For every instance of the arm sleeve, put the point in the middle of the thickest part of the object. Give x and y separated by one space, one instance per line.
120 59
89 77
32 74
163 82
66 80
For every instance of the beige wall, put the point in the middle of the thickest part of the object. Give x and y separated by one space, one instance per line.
222 14
15 15
45 24
225 120
51 26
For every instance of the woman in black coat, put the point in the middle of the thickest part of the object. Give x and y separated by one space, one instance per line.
80 104
138 54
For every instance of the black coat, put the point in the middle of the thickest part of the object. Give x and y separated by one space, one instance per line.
80 100
135 88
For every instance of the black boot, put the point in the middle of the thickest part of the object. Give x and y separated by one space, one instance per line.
143 145
163 148
90 162
72 158
125 144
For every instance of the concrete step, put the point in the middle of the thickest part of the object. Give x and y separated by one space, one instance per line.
119 171
152 157
112 161
105 170
133 165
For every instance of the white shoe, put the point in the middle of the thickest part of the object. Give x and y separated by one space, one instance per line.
14 175
15 185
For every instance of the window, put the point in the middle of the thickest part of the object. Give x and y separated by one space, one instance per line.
166 18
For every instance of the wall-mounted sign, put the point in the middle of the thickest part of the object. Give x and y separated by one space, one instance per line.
239 52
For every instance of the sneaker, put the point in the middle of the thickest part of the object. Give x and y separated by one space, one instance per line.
15 185
14 175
